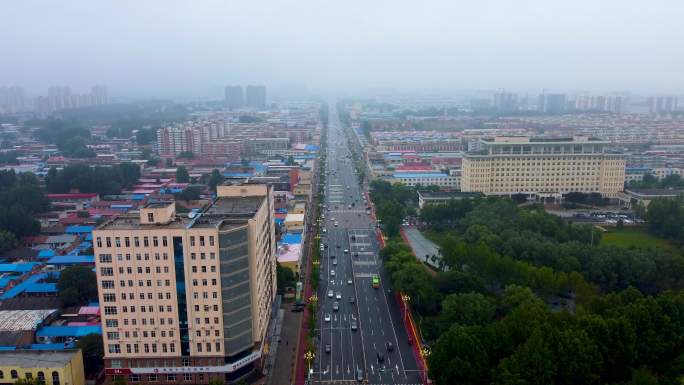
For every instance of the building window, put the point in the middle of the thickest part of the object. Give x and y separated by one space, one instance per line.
105 258
150 217
170 377
187 377
55 378
114 348
14 374
41 377
2 374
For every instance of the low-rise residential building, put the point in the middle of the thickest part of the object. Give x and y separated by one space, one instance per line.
426 179
443 197
49 367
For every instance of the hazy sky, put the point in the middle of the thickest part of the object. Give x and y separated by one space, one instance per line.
175 48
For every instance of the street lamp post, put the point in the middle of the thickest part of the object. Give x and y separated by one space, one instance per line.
309 355
405 299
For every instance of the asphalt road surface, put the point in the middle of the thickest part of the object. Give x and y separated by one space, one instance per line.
344 354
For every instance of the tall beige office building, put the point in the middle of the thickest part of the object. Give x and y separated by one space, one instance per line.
188 300
545 167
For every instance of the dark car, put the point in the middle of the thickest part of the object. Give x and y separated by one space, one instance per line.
381 357
352 299
327 348
390 347
359 375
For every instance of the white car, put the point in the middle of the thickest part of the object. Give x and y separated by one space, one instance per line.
327 317
349 281
330 293
336 224
332 273
338 295
346 251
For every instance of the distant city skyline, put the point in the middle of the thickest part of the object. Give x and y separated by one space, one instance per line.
162 49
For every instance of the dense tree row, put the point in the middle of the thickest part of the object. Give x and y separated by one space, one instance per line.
666 218
70 136
86 179
20 198
496 231
393 202
651 181
629 338
531 299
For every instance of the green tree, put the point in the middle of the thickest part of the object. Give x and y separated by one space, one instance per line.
532 363
182 175
93 350
215 179
459 357
414 280
76 285
190 193
284 277
7 241
467 309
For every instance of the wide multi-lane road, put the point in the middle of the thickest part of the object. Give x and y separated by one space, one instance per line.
361 334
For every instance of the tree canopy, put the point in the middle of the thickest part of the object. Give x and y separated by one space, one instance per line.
531 299
86 179
77 285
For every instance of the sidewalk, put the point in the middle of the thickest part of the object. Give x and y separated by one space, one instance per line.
283 370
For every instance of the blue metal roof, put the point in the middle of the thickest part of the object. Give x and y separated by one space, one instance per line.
71 259
238 174
419 175
42 288
55 346
4 281
16 267
46 253
68 331
291 238
26 285
79 229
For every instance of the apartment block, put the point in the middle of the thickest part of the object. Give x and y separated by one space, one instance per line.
174 140
188 299
546 167
255 97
